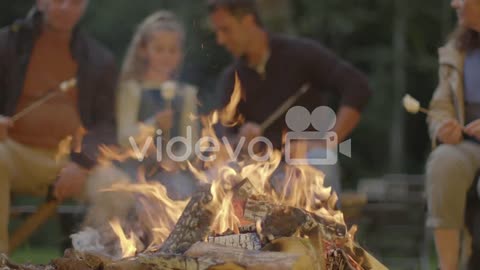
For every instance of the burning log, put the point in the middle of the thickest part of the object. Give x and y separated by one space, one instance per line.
309 257
163 262
327 236
248 259
74 260
244 189
73 264
256 209
284 221
241 192
6 264
194 224
249 241
338 259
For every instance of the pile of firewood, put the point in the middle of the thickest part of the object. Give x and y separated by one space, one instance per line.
271 237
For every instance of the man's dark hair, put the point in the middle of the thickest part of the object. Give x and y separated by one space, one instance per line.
238 8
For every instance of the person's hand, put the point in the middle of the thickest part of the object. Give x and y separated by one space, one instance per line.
450 132
473 129
298 149
71 181
165 119
5 124
250 130
169 165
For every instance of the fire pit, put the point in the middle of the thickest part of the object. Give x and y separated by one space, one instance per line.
276 237
248 214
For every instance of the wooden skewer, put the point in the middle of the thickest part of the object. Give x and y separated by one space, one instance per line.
33 106
166 133
428 113
284 107
63 86
168 92
425 111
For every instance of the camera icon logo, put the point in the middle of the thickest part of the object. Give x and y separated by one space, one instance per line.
323 119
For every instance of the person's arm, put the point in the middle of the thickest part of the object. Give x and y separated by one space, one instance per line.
128 104
102 131
3 73
328 72
5 122
442 108
347 119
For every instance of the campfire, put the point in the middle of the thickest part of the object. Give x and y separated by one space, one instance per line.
247 214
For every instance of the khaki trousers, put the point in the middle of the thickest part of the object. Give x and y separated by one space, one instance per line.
450 173
451 170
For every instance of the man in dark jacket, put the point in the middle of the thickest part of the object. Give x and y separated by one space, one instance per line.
37 54
272 68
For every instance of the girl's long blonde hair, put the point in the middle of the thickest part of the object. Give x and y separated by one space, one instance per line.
135 65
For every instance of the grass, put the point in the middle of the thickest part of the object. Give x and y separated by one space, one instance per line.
35 255
44 244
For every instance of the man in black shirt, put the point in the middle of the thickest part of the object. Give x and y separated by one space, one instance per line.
272 68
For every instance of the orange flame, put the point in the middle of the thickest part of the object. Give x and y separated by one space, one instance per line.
297 186
127 245
229 116
156 212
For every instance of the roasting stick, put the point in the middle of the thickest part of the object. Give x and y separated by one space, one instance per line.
284 107
412 106
64 87
168 91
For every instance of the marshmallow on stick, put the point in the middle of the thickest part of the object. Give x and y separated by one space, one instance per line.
412 105
169 91
68 84
64 87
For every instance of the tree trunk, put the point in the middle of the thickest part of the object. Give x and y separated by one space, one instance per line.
397 137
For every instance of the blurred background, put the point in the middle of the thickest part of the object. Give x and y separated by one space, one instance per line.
393 41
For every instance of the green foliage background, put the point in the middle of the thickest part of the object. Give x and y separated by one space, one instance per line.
360 31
